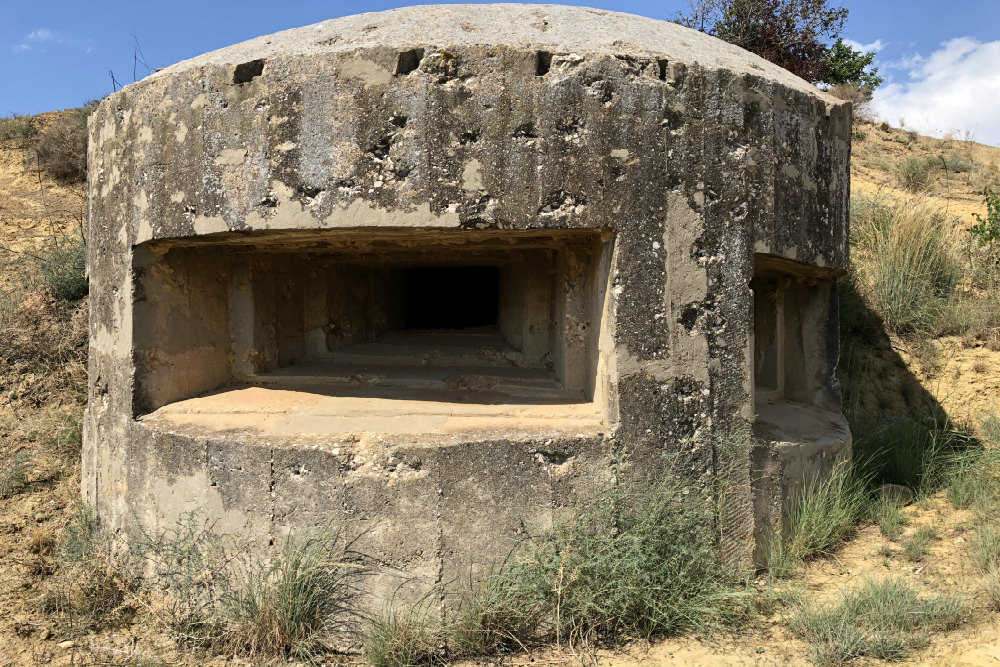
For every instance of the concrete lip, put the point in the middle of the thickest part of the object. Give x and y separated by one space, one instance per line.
290 409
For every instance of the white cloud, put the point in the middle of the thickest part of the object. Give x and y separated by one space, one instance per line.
41 35
40 38
35 38
903 62
875 46
954 89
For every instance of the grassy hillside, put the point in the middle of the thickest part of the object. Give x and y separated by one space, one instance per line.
860 576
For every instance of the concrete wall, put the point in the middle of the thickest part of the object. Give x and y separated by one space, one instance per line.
690 153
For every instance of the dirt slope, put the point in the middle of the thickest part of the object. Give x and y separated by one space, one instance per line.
34 208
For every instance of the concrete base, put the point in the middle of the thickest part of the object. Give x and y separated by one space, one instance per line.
429 511
800 443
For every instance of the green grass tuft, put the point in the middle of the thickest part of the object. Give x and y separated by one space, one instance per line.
824 513
404 639
888 516
293 606
918 545
884 620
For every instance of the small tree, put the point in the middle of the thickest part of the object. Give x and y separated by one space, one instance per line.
794 34
845 66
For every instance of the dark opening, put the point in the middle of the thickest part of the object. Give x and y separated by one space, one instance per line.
247 72
662 64
409 61
452 297
543 61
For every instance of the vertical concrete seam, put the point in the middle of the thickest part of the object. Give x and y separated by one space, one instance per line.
270 489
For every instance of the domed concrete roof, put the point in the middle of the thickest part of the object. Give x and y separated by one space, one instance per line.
556 28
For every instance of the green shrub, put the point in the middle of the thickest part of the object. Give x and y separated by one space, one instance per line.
955 164
914 173
986 231
62 268
884 620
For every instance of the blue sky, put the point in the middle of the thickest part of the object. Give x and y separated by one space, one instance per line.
940 59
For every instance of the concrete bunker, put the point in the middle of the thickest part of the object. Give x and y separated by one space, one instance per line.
436 322
439 273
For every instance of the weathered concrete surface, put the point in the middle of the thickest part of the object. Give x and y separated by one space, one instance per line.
686 155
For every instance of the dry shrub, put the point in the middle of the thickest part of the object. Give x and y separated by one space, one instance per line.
62 146
17 130
43 351
915 173
14 475
94 584
860 98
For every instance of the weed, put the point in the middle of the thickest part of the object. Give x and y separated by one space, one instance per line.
80 536
491 617
986 547
45 349
902 451
636 562
191 564
14 476
888 516
884 620
918 545
217 596
59 431
991 584
991 428
972 480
